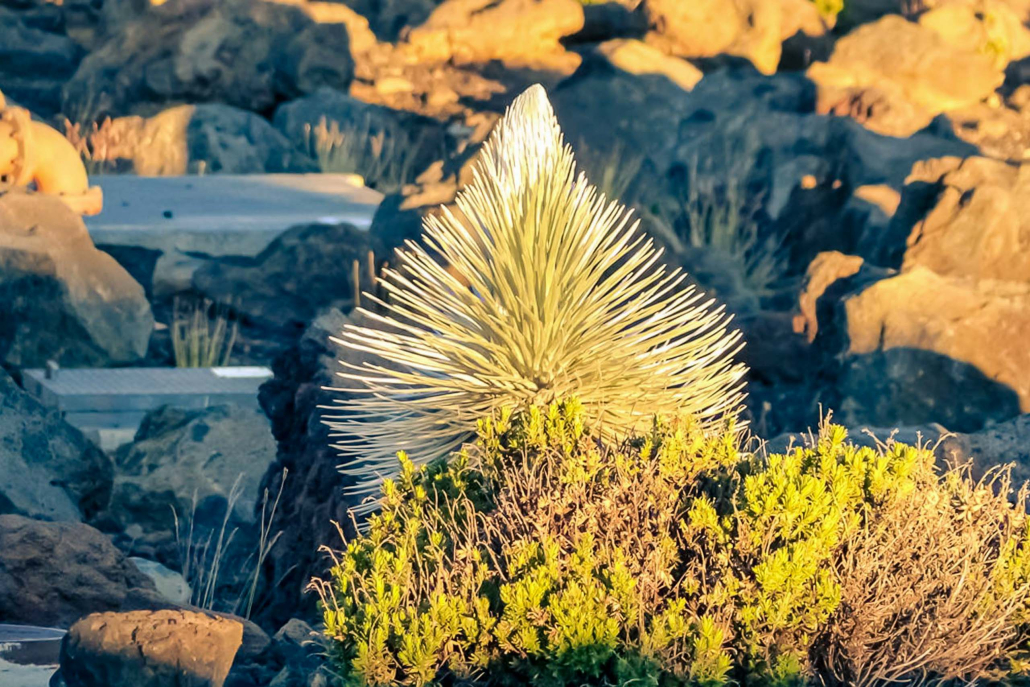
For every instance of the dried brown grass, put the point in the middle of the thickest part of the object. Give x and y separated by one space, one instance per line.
930 588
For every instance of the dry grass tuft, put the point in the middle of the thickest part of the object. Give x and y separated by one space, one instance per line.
105 148
928 592
203 332
384 157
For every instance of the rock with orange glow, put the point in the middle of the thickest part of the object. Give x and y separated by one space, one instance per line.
979 223
918 347
895 76
150 649
516 32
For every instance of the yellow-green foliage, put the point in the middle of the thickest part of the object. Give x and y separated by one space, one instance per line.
829 9
543 556
772 551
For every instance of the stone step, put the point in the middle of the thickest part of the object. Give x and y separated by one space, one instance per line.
108 405
223 214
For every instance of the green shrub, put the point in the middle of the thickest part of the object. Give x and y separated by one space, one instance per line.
545 555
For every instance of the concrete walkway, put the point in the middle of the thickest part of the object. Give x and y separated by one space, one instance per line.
223 214
28 655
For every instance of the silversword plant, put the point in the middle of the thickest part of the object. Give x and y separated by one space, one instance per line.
547 291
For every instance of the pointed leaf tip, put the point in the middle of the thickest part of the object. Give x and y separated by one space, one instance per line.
533 101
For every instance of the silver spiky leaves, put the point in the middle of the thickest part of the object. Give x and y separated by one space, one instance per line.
564 297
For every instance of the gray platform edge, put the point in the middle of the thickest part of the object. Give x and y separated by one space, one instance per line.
80 393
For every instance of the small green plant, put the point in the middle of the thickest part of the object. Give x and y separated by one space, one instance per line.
203 332
383 157
545 555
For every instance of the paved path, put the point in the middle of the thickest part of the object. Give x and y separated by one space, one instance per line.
223 214
28 655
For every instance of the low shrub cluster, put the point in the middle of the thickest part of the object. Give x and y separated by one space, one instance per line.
544 555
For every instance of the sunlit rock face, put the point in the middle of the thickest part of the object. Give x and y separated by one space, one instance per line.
521 33
896 76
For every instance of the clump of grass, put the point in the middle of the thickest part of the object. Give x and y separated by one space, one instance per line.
615 173
712 209
266 540
384 157
203 332
204 557
201 557
715 209
718 217
104 148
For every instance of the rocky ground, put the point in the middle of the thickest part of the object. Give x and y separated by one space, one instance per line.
864 177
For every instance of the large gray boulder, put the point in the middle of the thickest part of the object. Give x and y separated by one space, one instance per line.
246 53
61 299
52 574
171 648
305 269
192 461
48 470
